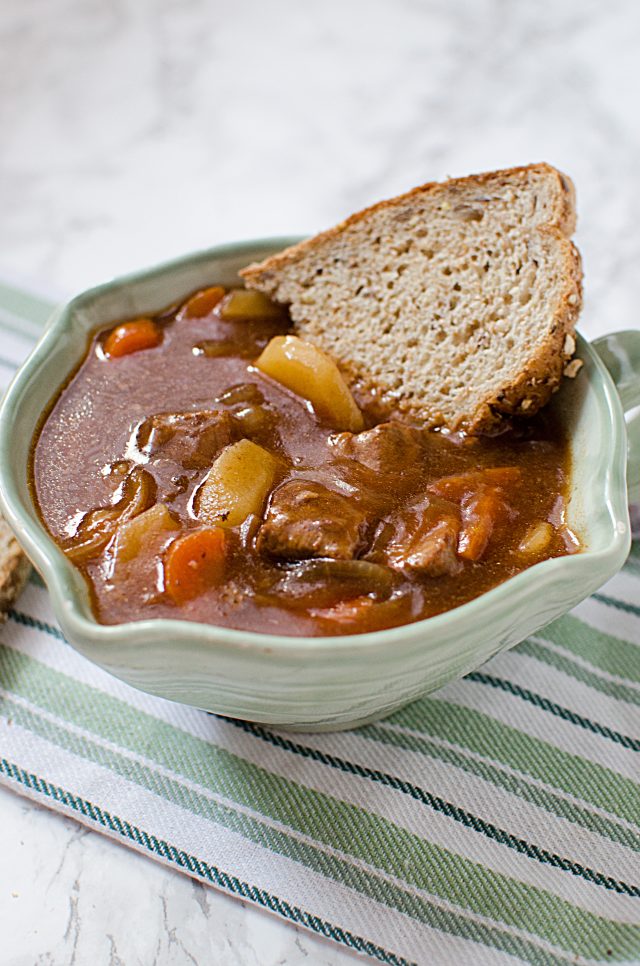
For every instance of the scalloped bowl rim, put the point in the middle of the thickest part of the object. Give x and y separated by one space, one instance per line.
67 593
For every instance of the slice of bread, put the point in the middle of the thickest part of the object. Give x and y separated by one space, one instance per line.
14 569
454 304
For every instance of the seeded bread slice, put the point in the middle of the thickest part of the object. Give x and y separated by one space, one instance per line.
14 569
454 303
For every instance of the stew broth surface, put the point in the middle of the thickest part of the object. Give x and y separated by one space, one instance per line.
382 487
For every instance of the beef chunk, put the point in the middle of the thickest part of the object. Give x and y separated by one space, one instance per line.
387 448
422 538
433 552
191 439
306 519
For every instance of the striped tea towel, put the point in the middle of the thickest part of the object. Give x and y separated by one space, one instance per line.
495 822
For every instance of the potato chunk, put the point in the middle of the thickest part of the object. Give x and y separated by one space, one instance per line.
237 484
242 303
536 539
307 371
134 534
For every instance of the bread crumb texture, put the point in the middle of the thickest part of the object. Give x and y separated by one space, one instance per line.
454 304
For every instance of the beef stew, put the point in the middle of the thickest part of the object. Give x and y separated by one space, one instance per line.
207 464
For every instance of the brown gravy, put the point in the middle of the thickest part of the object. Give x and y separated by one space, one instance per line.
372 556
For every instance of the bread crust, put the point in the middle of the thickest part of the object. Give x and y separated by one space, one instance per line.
14 569
542 376
538 381
564 221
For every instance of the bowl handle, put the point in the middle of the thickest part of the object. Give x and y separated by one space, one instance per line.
620 353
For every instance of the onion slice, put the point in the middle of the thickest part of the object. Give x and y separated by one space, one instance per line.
322 582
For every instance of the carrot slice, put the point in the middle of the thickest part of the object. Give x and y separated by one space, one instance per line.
457 487
193 563
502 475
132 337
204 302
481 511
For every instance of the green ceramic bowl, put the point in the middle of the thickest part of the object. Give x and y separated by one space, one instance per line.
336 682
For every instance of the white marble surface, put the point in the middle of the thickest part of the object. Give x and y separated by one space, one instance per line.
134 130
70 897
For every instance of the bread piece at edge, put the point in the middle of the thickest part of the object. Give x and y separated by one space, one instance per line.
14 569
539 374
